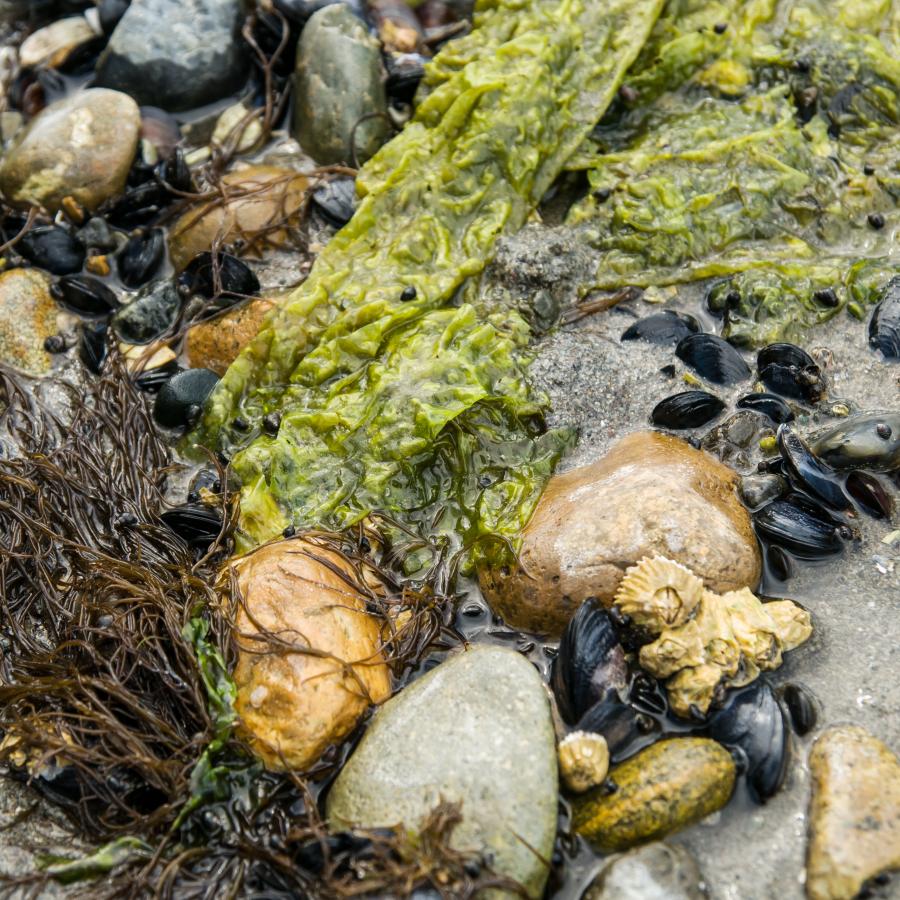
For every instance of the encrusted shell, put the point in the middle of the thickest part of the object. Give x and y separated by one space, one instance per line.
583 760
659 593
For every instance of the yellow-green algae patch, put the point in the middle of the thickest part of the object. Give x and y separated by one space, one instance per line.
403 400
758 140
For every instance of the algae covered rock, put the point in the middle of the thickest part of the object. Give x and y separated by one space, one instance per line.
477 731
854 813
651 495
340 107
665 787
81 146
309 654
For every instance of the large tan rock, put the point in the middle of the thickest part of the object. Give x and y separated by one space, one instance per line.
82 147
651 495
256 199
215 343
854 813
309 661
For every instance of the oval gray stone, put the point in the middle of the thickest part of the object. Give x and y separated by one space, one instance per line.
338 83
476 731
176 54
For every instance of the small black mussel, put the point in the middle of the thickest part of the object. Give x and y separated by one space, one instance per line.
774 408
222 275
868 441
138 206
85 295
152 380
869 494
182 396
666 327
195 523
689 409
336 200
110 12
780 563
805 469
404 72
52 248
712 358
620 723
884 326
92 347
798 529
175 173
790 371
590 662
141 257
801 707
751 724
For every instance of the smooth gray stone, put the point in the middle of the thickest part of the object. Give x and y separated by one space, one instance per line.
176 54
653 872
338 82
151 314
477 731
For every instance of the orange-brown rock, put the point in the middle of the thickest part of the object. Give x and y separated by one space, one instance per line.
257 198
309 659
215 343
651 495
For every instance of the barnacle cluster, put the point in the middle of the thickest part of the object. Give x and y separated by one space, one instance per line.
705 641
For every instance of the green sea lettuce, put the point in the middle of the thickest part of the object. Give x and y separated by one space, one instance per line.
393 397
755 143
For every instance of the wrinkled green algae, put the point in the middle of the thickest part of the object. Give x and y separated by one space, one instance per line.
753 153
414 407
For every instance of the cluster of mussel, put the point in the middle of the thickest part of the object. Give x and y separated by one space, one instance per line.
599 691
813 487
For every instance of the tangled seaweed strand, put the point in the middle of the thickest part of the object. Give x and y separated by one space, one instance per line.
107 706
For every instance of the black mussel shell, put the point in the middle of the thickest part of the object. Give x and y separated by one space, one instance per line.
801 707
798 530
712 358
780 562
141 257
235 278
790 371
336 200
774 408
152 380
195 523
618 722
110 12
181 394
870 495
689 409
139 205
666 327
868 441
92 347
404 72
752 725
590 662
884 326
85 294
52 248
807 471
176 173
